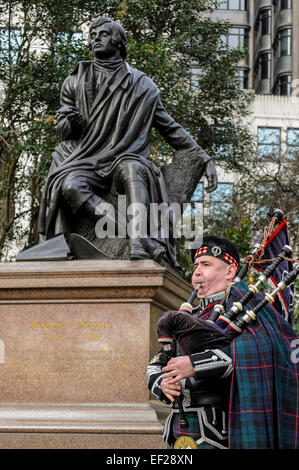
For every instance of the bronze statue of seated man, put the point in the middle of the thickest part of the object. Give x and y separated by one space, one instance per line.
108 110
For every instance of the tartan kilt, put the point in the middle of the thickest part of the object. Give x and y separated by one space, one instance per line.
264 397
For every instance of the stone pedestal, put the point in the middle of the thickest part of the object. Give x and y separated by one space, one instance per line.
75 340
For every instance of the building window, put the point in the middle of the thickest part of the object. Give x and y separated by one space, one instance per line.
194 211
256 68
221 199
73 38
237 38
222 5
284 86
265 18
285 40
265 61
244 5
268 142
292 144
223 137
242 78
10 41
196 72
232 5
286 4
263 193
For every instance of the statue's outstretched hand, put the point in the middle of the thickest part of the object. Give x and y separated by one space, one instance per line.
211 174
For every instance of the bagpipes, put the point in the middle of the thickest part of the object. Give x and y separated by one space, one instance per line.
194 334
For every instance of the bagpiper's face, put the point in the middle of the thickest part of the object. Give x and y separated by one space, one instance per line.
101 42
211 275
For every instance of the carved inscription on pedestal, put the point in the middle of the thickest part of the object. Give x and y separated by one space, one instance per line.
71 357
76 365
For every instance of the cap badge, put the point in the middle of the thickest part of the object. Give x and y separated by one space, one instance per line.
216 251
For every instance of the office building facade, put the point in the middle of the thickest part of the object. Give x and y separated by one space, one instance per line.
270 31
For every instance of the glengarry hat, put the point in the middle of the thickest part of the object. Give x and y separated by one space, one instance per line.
219 248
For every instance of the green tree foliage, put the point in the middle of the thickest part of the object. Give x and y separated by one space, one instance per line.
271 183
39 48
267 184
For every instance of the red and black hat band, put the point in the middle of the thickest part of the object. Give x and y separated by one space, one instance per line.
218 251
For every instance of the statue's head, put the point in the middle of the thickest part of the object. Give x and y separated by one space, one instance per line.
119 37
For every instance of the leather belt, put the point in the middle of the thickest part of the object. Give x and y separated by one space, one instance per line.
203 398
